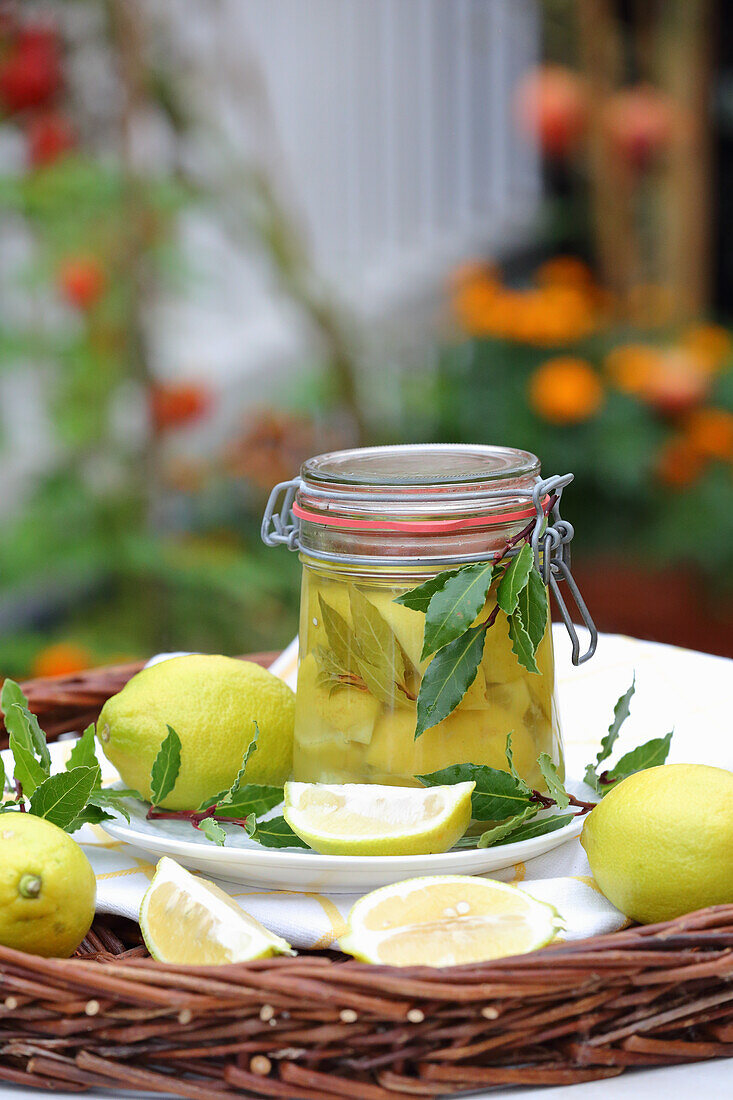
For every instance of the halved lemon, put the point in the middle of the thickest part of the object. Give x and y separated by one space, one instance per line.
369 820
188 920
446 920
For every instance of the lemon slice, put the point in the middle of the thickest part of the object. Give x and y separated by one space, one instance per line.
188 920
446 920
369 820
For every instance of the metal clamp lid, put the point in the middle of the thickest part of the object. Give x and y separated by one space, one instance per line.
550 540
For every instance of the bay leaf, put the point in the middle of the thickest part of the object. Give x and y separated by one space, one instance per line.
537 828
448 677
213 831
379 681
418 599
166 766
621 712
532 608
505 828
496 796
555 785
510 761
339 634
375 638
62 797
649 755
522 644
454 607
514 579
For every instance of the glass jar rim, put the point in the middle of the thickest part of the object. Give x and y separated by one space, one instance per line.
412 468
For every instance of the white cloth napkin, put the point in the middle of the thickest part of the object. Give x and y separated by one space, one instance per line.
675 687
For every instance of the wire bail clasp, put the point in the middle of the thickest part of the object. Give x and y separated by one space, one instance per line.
281 527
551 540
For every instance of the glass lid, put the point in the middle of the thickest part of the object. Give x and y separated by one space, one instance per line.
422 464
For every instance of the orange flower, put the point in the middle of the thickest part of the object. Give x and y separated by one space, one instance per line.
564 271
61 659
631 366
565 390
679 464
475 298
676 385
710 432
710 344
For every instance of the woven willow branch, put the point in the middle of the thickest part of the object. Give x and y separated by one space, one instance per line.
318 1027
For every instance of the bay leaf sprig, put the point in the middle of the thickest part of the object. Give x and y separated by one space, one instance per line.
365 654
451 603
70 798
505 809
241 804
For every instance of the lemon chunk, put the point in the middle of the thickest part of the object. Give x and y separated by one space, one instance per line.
188 920
446 920
371 820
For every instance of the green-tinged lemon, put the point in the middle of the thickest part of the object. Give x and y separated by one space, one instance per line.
190 921
212 703
447 920
660 844
47 887
369 820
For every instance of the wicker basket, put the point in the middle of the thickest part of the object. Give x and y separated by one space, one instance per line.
320 1027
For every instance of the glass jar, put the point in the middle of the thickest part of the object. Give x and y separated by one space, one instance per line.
370 525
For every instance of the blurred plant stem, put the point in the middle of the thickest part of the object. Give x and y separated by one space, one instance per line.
665 50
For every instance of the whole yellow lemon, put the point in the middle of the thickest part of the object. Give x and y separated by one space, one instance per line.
212 703
47 887
660 844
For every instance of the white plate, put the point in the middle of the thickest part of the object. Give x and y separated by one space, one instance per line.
243 860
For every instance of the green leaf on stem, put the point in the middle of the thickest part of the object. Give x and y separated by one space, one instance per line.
2 778
522 645
506 828
20 718
649 755
448 677
62 797
84 752
537 828
514 579
532 608
251 799
455 606
496 796
166 767
213 831
555 785
274 833
90 815
510 761
27 770
620 714
418 599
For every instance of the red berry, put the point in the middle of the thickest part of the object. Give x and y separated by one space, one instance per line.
639 122
30 72
81 281
551 107
173 405
49 137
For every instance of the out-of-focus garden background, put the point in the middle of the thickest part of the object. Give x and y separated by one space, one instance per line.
236 234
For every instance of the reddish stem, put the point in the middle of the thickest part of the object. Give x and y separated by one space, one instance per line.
194 816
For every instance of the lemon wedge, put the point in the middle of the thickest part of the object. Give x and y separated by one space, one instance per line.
446 920
370 820
188 920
